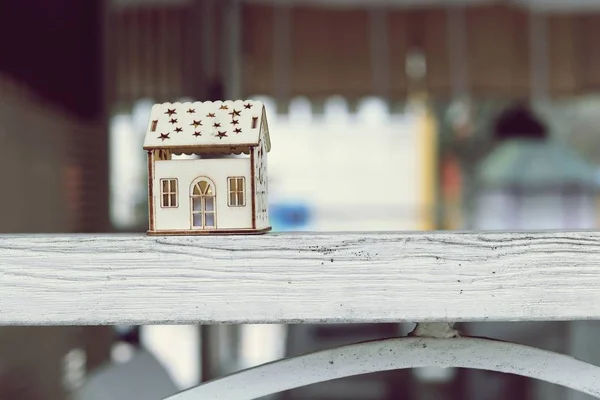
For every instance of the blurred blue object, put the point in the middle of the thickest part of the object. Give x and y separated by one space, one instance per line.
289 216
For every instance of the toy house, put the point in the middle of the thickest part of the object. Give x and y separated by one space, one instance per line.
222 188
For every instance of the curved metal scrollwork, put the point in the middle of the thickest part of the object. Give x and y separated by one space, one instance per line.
400 353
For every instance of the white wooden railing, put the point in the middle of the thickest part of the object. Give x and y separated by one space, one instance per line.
430 278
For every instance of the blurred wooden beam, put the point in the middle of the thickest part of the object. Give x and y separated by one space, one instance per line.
380 48
457 52
485 51
208 38
98 342
282 43
232 63
538 52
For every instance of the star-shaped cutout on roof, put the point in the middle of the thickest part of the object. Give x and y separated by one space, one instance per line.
210 115
196 124
191 111
235 121
221 135
173 121
164 136
223 107
217 125
178 129
235 113
247 106
197 134
237 130
171 111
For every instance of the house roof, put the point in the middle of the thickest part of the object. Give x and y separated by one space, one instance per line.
193 126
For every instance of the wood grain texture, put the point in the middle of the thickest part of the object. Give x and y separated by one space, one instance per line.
303 277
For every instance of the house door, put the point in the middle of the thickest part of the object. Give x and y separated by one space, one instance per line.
203 205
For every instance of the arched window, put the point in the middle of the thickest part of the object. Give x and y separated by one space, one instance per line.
203 205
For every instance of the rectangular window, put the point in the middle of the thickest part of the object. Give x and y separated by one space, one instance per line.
254 122
168 193
236 191
153 127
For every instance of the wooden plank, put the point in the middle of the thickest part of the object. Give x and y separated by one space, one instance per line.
299 278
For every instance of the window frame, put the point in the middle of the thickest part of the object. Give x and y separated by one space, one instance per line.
237 191
210 192
170 192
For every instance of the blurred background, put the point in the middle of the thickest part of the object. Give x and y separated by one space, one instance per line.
384 115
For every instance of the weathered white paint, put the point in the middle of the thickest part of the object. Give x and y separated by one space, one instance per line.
399 353
302 277
187 172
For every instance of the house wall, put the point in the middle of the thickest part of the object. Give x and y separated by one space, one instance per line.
262 209
186 171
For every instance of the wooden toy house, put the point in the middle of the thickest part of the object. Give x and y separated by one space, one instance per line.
224 188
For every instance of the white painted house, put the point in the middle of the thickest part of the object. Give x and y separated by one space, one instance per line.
224 189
